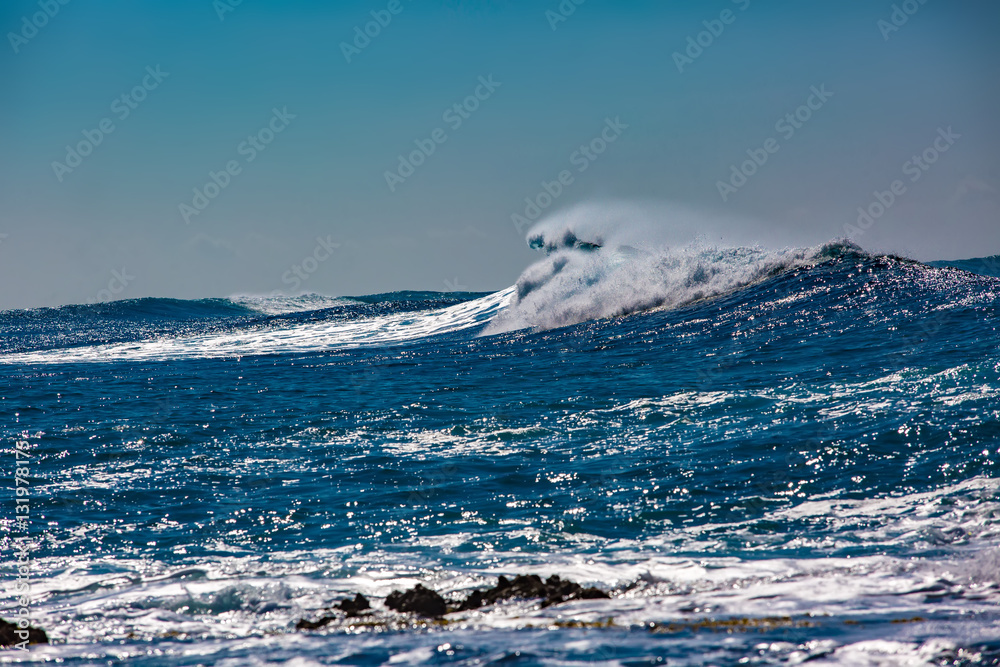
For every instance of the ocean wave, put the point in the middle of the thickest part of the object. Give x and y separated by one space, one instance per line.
149 307
600 263
984 266
571 286
578 281
288 337
283 305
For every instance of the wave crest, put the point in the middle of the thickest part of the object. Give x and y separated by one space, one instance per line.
582 280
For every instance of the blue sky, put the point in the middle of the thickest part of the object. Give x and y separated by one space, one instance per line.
319 190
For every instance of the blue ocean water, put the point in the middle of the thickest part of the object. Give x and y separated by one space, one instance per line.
764 457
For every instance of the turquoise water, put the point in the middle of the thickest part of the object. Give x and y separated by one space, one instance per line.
765 458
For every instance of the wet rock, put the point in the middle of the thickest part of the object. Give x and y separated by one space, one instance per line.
524 586
553 590
474 601
560 590
9 634
314 625
418 600
354 607
429 604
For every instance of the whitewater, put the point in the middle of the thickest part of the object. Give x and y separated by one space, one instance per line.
760 456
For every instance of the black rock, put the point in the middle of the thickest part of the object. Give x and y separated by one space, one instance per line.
593 593
427 603
9 636
524 586
530 586
314 625
474 601
418 600
354 607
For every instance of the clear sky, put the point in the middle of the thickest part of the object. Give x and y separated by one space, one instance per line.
310 128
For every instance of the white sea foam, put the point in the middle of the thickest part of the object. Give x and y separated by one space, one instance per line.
281 305
309 337
923 609
607 261
234 603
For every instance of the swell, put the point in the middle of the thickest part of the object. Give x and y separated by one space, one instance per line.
148 319
578 281
353 325
984 266
235 306
151 307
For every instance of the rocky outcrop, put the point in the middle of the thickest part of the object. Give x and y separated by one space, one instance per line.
427 603
351 608
553 590
10 635
418 600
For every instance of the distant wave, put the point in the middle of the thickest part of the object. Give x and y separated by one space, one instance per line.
150 307
281 305
382 322
984 266
234 306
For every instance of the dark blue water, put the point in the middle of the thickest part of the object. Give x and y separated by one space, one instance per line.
766 461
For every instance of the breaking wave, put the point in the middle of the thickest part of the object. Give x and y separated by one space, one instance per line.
594 271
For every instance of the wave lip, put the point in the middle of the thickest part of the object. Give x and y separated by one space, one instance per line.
580 281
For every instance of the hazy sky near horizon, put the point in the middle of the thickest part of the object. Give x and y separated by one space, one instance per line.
265 88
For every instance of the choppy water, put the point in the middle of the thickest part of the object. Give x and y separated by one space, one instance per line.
765 458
